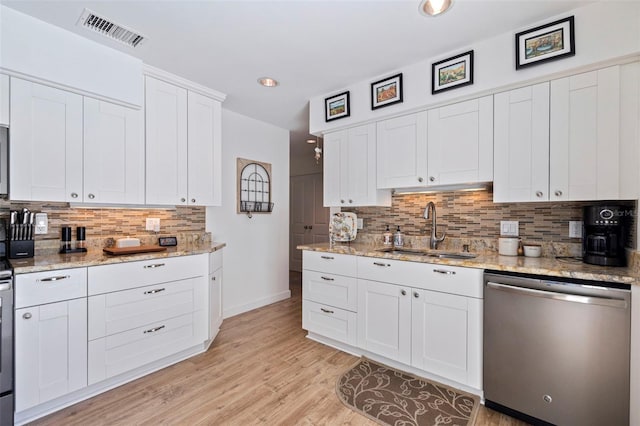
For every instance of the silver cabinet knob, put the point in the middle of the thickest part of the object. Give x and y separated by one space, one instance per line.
350 201
27 315
538 194
342 201
558 193
416 294
432 179
74 195
182 200
213 278
403 292
193 200
420 179
91 196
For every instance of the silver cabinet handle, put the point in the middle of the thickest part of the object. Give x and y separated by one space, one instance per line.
442 271
539 194
91 196
193 200
58 278
26 315
182 200
420 179
403 292
416 294
155 265
154 291
386 265
327 311
327 257
432 179
153 330
328 279
74 195
558 193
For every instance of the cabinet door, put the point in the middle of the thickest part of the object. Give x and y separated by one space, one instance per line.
4 100
205 150
447 335
113 153
521 145
402 151
46 143
166 143
384 320
50 351
215 303
460 143
584 136
358 172
331 167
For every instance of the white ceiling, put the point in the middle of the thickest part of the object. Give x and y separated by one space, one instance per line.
311 47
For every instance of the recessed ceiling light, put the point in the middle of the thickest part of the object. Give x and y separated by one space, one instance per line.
267 82
434 7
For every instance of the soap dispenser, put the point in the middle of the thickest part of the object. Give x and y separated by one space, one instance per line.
387 237
398 238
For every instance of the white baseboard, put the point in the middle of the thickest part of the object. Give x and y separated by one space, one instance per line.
236 310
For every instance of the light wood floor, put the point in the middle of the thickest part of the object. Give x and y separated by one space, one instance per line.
260 370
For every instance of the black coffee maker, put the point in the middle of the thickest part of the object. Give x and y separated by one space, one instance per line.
604 234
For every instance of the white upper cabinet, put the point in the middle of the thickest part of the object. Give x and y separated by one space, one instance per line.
46 143
4 100
183 154
350 168
521 144
585 136
460 143
402 151
113 154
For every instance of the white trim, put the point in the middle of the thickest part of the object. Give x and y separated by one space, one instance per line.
182 82
239 309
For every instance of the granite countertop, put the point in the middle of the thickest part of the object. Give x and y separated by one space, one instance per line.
95 257
550 266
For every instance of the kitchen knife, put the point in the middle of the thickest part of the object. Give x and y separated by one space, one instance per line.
32 218
12 225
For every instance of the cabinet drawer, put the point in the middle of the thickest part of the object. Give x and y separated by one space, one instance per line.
334 323
329 289
124 276
51 286
331 263
454 280
122 352
215 260
119 311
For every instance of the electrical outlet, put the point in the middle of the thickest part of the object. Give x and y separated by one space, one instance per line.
42 223
509 228
575 229
360 223
153 224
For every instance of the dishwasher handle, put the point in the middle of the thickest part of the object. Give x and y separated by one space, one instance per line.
590 300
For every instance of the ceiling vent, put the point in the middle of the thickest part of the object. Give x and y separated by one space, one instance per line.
108 28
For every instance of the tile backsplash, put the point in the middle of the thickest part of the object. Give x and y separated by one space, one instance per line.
473 215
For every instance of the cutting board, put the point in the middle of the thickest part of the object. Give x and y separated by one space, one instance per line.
132 250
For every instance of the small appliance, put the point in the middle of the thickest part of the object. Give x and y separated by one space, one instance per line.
604 234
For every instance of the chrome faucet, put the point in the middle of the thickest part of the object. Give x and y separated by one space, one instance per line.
430 212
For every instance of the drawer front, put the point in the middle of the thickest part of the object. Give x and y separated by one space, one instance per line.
40 288
124 276
334 323
122 352
427 276
215 261
112 313
331 263
334 290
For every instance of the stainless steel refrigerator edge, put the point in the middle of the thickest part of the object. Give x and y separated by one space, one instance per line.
557 351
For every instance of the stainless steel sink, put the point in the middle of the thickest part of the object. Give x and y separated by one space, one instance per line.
429 253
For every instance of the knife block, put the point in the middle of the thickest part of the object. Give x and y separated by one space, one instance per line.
20 249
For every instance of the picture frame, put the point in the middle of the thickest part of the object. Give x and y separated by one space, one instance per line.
387 91
549 42
337 106
451 73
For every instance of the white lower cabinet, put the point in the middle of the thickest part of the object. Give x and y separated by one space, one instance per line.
215 293
50 336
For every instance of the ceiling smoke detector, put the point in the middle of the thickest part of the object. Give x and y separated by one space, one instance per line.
108 28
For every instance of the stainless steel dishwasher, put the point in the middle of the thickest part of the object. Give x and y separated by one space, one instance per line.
556 350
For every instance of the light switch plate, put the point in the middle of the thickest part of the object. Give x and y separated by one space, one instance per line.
509 228
42 223
575 229
153 224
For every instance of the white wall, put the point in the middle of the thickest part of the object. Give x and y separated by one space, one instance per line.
256 258
603 31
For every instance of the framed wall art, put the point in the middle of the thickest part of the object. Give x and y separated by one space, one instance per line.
548 42
336 106
452 72
386 92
